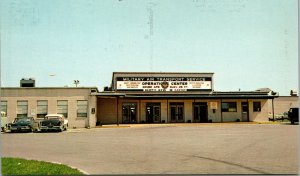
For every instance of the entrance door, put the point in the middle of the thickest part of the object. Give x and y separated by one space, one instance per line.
200 112
129 113
245 112
177 112
153 113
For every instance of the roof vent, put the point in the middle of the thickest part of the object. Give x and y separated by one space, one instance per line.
93 90
27 82
294 93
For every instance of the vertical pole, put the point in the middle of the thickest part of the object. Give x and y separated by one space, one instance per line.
273 109
193 110
118 110
140 108
248 110
167 111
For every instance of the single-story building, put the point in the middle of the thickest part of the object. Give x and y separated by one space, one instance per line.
140 97
159 97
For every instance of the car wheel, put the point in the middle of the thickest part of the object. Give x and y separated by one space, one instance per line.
292 122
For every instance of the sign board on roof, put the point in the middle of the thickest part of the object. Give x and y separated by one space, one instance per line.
163 83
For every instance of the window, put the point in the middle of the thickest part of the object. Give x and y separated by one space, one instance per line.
82 108
42 108
229 107
3 106
62 107
22 108
256 106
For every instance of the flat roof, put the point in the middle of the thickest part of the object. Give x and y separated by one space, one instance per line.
50 88
163 72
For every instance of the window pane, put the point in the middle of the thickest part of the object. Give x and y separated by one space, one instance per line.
81 114
62 102
22 108
229 107
3 103
22 103
82 108
42 103
81 102
42 108
3 106
62 107
232 107
256 106
225 105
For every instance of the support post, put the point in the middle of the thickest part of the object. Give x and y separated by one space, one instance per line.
221 111
140 109
167 111
273 109
248 118
118 110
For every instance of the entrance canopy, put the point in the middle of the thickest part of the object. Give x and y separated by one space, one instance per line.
179 95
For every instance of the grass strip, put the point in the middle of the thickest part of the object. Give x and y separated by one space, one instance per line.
18 166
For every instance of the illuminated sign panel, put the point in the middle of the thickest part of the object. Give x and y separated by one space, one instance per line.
163 83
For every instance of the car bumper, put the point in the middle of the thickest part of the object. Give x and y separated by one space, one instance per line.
20 128
53 128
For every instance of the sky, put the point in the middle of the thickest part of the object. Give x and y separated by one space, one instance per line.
247 44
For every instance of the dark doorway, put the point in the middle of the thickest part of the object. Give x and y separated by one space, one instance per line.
153 112
129 113
245 112
200 112
177 112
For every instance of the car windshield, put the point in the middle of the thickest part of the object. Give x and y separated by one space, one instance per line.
22 120
53 117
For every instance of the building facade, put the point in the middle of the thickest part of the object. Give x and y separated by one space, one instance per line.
155 97
76 104
282 104
144 97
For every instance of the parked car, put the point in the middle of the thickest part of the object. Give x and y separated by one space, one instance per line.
54 122
23 124
293 115
4 125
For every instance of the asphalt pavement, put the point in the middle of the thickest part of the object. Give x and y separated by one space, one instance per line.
165 149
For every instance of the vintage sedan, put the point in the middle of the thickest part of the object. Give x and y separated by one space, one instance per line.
54 122
24 124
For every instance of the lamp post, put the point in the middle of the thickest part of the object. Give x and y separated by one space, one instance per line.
76 82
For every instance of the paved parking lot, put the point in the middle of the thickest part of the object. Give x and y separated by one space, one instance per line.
165 149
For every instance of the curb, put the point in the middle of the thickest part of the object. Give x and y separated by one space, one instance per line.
84 172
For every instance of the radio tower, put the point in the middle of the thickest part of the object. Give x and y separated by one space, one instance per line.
150 22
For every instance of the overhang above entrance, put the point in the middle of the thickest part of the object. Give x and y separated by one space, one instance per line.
213 95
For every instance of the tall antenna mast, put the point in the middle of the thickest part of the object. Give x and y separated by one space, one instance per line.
151 31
